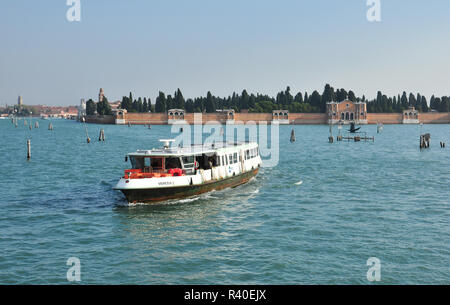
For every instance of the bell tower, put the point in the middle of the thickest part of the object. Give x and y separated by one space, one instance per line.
101 95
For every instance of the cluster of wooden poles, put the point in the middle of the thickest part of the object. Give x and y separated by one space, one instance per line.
14 121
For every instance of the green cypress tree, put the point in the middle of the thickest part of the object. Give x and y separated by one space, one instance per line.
160 103
424 104
179 100
145 105
210 105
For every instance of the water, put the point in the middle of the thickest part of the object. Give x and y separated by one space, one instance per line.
385 199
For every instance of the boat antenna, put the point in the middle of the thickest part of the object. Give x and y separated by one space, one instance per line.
166 143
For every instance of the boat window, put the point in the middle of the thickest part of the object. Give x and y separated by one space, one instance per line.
212 162
137 163
156 163
217 161
247 154
223 160
188 162
230 158
235 158
173 163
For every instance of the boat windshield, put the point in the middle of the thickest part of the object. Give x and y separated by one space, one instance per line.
155 163
148 163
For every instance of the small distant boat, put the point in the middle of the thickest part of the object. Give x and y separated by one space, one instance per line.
353 129
179 172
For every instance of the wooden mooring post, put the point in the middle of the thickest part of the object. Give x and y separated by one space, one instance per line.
292 136
339 136
28 149
101 137
50 126
331 138
425 141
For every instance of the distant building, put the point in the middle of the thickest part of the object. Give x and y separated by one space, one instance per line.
229 114
174 115
280 117
411 116
346 112
119 116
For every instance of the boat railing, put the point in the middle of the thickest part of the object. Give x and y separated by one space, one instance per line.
153 173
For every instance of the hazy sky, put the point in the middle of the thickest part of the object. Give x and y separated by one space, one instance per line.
223 46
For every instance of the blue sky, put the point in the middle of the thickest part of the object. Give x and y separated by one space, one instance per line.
263 46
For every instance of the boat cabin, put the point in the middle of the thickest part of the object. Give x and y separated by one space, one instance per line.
183 161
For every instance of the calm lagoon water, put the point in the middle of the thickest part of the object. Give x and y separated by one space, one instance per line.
385 199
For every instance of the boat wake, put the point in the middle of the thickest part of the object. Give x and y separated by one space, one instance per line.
206 196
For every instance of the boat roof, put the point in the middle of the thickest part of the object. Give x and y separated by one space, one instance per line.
195 149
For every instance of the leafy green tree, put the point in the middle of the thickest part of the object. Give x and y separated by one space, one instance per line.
103 107
189 105
341 95
351 96
90 107
437 104
315 100
298 98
